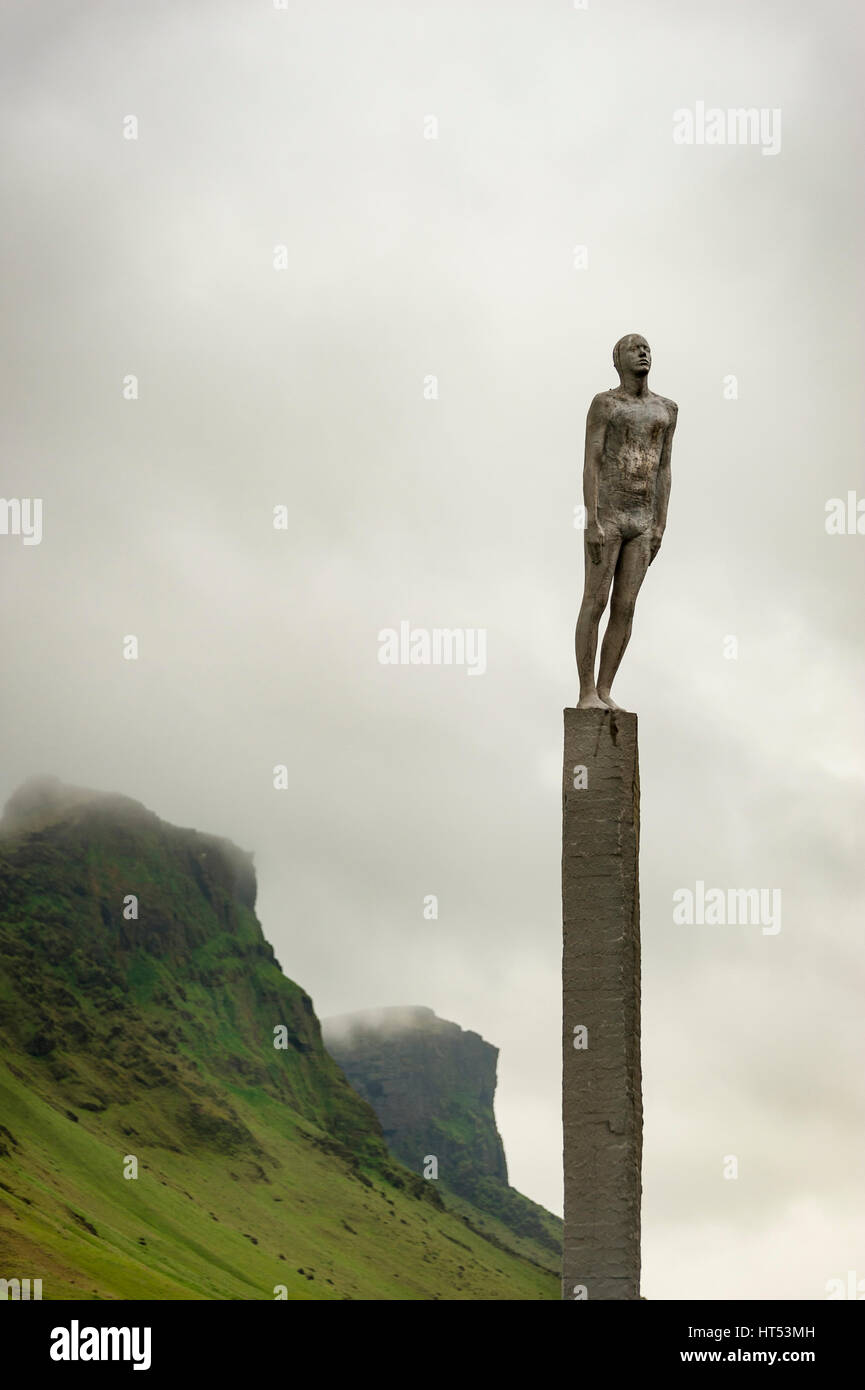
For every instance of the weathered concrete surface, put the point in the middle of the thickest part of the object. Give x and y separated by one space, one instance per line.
602 1107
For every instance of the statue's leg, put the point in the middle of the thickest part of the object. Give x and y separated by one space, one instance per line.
633 562
599 577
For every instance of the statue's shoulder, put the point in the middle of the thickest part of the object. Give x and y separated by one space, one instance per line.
604 401
671 405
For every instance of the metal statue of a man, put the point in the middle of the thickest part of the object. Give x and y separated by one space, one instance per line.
626 487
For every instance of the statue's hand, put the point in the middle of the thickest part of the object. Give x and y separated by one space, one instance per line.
595 541
655 544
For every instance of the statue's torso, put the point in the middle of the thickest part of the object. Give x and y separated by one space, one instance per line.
633 445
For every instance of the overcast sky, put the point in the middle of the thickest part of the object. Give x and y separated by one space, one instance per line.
454 257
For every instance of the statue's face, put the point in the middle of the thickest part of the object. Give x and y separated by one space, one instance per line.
635 356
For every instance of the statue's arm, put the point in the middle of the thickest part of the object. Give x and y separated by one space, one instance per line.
662 485
596 428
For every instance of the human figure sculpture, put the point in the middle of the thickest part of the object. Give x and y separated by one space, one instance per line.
626 487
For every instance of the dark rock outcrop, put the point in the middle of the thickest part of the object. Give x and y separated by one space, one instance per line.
432 1085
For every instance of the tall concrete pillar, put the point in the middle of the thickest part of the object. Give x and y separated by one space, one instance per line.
602 1106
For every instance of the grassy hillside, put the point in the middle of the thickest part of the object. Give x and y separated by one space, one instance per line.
154 1038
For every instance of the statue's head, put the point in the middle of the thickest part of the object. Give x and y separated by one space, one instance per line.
632 354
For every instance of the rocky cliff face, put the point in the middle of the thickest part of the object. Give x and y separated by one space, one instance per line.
432 1085
136 942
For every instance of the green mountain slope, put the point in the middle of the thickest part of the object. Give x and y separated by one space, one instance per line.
152 1038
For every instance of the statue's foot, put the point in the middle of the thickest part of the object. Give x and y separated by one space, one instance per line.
591 701
608 700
